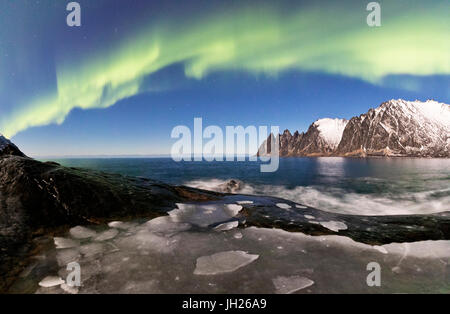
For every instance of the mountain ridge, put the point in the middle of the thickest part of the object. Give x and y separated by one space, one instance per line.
396 128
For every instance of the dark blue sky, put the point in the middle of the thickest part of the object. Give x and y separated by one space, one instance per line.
135 69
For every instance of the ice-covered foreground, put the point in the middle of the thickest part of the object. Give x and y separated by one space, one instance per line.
185 252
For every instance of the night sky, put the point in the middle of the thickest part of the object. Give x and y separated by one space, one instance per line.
137 68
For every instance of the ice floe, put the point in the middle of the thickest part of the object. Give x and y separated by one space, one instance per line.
300 206
69 289
107 235
146 241
91 249
148 257
51 281
64 243
80 232
283 205
288 285
204 215
309 217
65 256
334 225
121 225
166 225
223 262
244 202
227 226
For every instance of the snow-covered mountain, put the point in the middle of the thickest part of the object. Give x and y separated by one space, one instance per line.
395 128
399 128
331 130
322 138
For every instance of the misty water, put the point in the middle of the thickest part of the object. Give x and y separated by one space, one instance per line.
375 186
181 253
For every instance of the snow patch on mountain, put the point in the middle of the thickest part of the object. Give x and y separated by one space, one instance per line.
434 111
331 130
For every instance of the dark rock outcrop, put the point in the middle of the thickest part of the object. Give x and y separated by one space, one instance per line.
37 198
8 148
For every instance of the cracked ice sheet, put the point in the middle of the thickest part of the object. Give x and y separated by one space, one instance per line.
80 232
147 260
223 262
107 235
204 215
288 285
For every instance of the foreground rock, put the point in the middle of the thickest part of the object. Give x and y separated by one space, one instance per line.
37 198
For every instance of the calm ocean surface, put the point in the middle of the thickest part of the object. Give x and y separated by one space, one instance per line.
374 186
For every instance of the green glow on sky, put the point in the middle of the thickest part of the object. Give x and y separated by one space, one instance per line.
265 41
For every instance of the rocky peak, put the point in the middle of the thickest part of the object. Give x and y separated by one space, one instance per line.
399 128
395 128
8 148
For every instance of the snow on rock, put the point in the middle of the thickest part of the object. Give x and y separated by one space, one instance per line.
288 285
331 130
223 262
334 225
244 202
51 281
80 232
233 209
283 205
121 225
227 226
